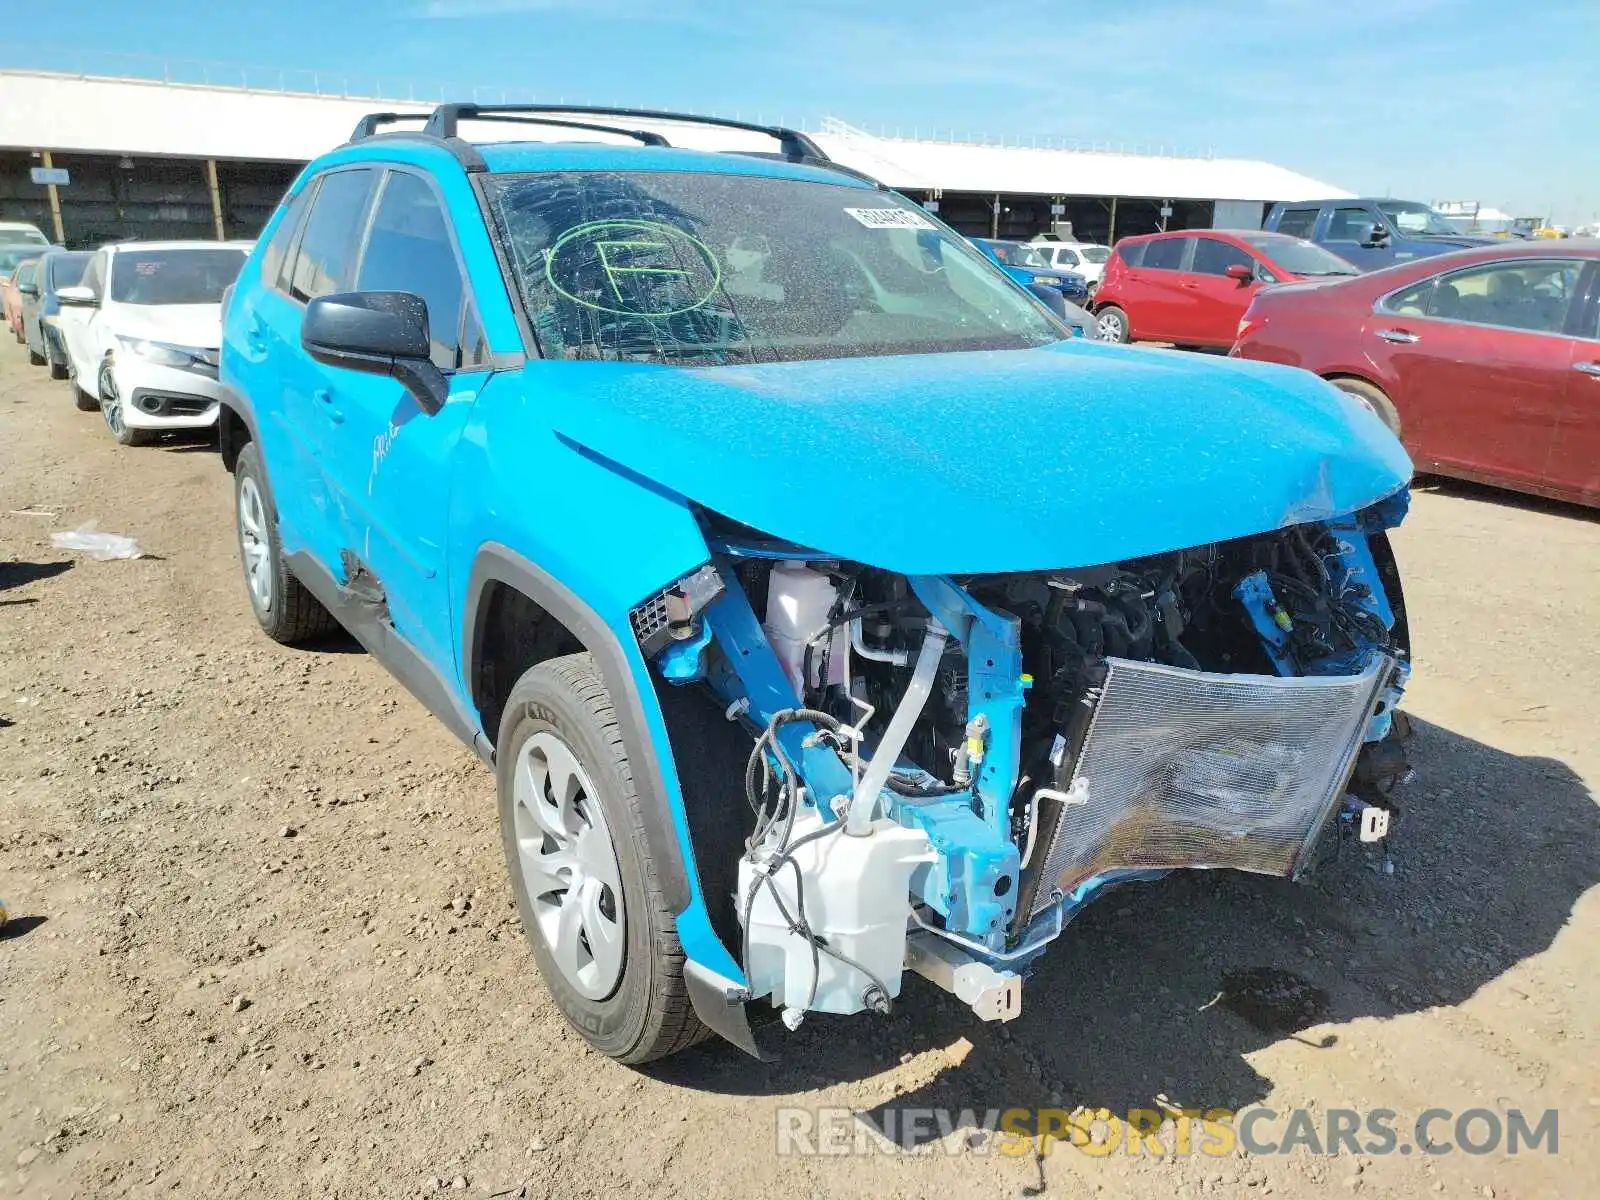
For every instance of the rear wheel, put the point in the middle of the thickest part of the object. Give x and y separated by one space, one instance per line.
287 612
1374 398
585 886
111 410
35 359
1111 324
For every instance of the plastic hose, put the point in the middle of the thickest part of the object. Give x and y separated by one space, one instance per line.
858 821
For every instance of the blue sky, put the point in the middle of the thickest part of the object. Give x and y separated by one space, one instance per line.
1429 99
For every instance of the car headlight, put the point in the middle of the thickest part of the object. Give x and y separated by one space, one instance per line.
1048 280
159 352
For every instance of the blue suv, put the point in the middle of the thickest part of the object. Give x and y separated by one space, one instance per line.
826 611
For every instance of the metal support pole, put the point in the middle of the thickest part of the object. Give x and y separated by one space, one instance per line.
216 199
994 217
55 201
1111 231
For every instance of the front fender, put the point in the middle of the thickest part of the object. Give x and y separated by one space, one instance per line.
587 541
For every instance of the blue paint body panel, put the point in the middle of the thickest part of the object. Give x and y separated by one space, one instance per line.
944 464
1074 454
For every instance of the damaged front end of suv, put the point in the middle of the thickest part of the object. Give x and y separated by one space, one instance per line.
946 768
950 622
944 765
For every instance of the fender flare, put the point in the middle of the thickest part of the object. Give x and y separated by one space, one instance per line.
496 563
718 1000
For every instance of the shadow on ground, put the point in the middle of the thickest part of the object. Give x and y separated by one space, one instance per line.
1461 489
20 574
1164 989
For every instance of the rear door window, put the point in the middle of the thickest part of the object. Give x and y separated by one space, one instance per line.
272 257
1532 296
1298 222
1166 254
326 260
1132 253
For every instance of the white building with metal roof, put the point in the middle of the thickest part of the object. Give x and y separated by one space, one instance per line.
149 157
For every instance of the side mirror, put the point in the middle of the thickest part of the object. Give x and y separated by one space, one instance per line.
377 333
1241 273
28 289
1376 238
81 296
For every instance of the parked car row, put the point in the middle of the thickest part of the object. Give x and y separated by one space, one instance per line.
1485 360
136 327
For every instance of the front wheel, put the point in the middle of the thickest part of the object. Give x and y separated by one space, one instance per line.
111 410
287 612
1111 324
585 888
35 359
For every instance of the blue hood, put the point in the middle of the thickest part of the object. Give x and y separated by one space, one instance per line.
1071 455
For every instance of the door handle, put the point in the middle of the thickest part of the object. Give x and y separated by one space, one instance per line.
1401 336
253 332
325 398
1588 368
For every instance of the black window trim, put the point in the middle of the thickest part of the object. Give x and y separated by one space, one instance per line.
1574 310
1316 211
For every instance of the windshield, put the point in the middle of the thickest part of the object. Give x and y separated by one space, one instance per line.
706 269
10 256
195 276
1300 257
66 270
26 234
1410 217
1093 254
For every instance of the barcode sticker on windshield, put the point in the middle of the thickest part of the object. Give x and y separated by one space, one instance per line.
890 218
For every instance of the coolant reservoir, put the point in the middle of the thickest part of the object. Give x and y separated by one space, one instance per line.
798 602
857 900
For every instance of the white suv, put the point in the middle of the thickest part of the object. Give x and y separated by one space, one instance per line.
1086 258
142 332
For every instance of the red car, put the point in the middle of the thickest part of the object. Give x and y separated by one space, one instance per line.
1485 361
1191 288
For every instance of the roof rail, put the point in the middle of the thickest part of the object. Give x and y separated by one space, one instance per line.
368 125
796 146
643 136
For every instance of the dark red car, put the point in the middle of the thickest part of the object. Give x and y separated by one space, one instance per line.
1191 288
1485 361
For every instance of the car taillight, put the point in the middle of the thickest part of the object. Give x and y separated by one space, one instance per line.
1249 323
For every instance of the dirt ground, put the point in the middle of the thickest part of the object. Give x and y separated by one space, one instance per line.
261 941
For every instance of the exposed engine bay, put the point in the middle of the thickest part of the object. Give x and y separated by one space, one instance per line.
946 768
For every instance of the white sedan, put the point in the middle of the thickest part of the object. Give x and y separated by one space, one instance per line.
142 332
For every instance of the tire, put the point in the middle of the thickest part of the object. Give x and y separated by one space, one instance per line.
629 1000
286 611
1375 400
111 410
35 359
58 370
1111 325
